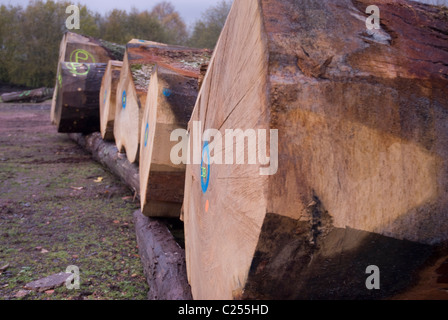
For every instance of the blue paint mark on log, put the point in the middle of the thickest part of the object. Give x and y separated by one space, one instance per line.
146 134
123 100
205 171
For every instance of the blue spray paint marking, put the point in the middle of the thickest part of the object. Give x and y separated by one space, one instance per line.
123 100
205 171
146 134
167 92
105 96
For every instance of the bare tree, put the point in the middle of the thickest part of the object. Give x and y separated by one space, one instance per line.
206 30
171 21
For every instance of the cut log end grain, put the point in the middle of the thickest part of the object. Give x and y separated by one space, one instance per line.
128 111
362 151
140 59
108 100
171 98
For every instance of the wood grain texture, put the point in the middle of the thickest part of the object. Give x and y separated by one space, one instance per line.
170 102
220 242
163 260
140 59
35 95
362 149
108 101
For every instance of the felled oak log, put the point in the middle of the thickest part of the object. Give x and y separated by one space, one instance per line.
108 100
169 104
77 48
139 62
77 100
359 174
36 95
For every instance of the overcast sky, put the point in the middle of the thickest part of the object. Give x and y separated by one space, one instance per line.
190 10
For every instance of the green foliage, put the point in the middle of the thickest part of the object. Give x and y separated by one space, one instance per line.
30 37
37 50
111 27
172 23
206 30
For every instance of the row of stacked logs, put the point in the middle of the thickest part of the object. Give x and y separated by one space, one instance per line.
356 173
96 93
155 95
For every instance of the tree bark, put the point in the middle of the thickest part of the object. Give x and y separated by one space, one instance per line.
163 260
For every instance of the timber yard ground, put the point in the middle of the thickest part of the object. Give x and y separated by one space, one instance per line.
60 208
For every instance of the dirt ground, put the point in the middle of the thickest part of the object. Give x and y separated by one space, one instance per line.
60 208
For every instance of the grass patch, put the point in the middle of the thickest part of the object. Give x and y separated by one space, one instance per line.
55 212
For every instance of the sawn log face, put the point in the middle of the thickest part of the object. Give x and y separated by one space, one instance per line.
361 119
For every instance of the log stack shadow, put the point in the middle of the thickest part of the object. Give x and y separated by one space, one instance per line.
356 121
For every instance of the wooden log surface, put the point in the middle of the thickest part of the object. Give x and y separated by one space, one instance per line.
34 95
163 260
169 104
131 99
108 100
361 177
77 48
77 100
139 61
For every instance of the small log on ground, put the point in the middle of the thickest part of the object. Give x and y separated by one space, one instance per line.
362 172
139 62
108 99
77 100
163 260
77 48
169 104
36 95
